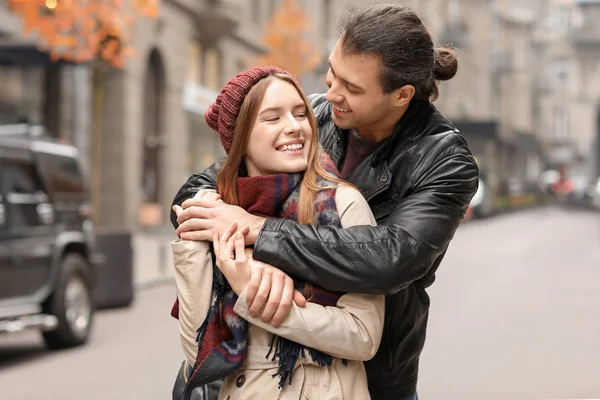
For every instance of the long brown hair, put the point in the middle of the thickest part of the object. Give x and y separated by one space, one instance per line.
227 178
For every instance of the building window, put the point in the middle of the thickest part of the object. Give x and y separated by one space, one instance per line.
212 69
561 71
561 125
194 63
559 17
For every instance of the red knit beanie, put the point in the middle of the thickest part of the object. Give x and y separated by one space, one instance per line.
222 114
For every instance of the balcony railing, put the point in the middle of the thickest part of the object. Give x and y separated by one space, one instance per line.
219 17
588 34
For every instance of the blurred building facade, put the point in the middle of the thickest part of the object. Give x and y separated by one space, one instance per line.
526 95
191 51
141 130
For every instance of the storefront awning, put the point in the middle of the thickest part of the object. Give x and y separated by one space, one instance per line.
24 54
527 142
478 130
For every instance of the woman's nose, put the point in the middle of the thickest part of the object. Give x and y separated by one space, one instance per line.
292 125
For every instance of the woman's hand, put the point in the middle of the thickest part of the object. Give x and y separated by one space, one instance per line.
231 257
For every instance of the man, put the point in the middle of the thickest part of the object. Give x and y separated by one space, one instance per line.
379 126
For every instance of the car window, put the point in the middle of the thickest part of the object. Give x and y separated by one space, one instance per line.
68 177
62 174
20 178
23 192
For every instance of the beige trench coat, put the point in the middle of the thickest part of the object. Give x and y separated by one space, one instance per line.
351 331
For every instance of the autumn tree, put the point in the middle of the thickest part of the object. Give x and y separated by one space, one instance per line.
285 36
83 30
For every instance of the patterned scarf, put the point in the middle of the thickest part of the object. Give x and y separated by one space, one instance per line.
222 337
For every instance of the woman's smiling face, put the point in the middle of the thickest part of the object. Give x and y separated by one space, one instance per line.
281 136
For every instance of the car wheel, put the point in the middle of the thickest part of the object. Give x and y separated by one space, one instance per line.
71 303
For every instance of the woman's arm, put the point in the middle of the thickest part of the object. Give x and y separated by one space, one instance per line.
353 329
193 278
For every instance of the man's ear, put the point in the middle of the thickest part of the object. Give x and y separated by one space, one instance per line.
403 95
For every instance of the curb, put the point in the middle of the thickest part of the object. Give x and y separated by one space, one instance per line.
149 284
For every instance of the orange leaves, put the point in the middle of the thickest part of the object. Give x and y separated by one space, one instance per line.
81 30
147 8
286 37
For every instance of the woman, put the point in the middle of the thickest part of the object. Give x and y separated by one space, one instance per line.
274 168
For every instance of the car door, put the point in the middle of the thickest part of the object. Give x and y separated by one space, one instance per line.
5 249
29 219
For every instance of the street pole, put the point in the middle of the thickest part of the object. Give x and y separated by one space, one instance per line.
81 112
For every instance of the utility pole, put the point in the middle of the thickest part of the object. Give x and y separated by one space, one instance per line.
81 112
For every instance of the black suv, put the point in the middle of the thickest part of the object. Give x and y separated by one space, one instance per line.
46 238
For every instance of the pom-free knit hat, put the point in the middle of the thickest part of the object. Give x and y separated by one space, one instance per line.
222 114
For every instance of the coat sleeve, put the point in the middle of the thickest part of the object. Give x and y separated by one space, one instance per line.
193 279
353 329
384 258
195 183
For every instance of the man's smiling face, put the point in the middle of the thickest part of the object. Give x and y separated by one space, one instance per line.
357 95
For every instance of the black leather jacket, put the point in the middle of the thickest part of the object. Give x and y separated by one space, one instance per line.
418 184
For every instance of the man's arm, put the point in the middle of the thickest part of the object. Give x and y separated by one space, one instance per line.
195 183
385 258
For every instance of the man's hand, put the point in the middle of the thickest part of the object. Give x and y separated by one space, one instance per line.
270 293
198 217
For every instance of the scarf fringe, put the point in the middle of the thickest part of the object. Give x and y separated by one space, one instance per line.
222 337
287 352
214 310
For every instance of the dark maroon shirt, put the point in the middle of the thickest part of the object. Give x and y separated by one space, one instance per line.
357 151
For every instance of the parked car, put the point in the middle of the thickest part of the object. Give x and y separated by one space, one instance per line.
596 195
482 203
47 256
577 191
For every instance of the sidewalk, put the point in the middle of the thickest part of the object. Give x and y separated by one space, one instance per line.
152 258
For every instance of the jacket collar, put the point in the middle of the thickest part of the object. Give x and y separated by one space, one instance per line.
420 119
372 176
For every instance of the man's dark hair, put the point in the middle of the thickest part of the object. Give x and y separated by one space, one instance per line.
396 35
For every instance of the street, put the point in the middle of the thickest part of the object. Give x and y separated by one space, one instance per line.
514 315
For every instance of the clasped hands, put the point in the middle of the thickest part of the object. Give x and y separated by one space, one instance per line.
269 291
